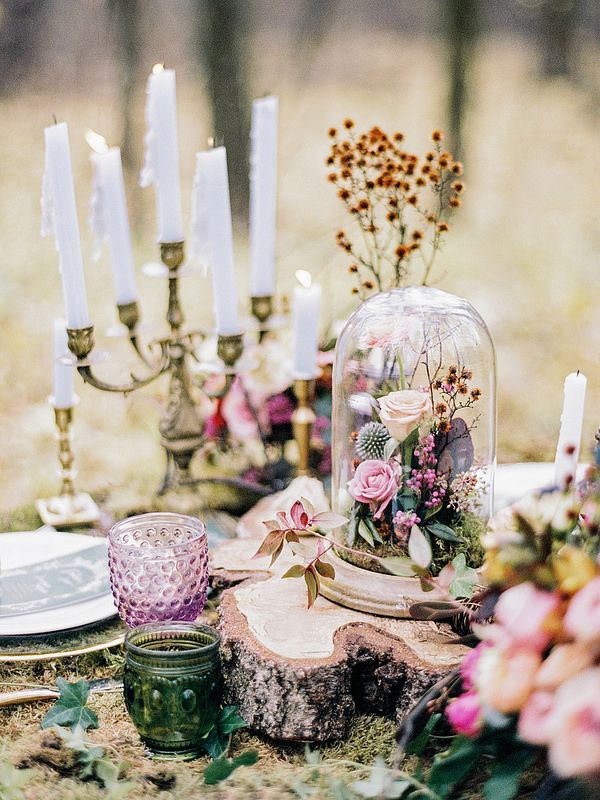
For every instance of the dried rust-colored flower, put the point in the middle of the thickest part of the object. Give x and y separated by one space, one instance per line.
332 132
437 135
353 268
458 187
457 168
454 202
443 227
348 124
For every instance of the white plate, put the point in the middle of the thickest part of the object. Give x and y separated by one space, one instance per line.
19 550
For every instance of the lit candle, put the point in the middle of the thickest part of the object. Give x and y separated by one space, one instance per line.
161 168
59 217
305 313
571 422
263 194
62 390
211 193
109 219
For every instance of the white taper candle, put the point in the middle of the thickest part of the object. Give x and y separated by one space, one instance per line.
571 423
263 195
305 314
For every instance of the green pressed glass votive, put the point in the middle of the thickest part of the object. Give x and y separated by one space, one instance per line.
172 685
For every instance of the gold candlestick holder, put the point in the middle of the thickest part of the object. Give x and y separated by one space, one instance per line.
303 419
262 310
68 508
180 426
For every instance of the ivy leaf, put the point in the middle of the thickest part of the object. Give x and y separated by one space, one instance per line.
70 708
380 783
222 767
325 569
12 781
216 741
453 766
297 571
419 548
420 742
465 578
230 720
506 775
443 532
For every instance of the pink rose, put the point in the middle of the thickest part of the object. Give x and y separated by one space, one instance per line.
240 420
505 678
575 745
582 619
536 721
563 662
464 714
374 482
401 412
524 614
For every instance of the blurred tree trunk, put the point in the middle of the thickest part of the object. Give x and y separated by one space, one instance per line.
125 19
558 28
313 25
20 24
220 26
462 28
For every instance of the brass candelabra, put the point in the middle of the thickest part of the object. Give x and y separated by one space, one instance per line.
68 508
180 425
303 419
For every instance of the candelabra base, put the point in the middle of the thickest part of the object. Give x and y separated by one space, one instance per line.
68 511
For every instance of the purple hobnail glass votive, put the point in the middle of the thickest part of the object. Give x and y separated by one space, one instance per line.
158 567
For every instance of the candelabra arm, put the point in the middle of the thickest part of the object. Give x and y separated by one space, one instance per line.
129 315
229 349
135 382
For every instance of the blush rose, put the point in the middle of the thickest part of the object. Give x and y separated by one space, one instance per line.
403 411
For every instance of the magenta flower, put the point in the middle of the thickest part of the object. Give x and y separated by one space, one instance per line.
464 714
375 483
280 409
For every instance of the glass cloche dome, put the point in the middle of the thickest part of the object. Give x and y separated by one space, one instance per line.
414 428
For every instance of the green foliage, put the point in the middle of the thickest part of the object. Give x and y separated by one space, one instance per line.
218 739
70 709
12 781
93 763
464 578
381 783
222 767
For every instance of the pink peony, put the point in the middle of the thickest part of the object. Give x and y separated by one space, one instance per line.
582 619
536 721
505 678
464 714
524 614
374 482
403 411
575 745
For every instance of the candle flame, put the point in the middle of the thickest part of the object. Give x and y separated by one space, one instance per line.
304 278
96 141
158 68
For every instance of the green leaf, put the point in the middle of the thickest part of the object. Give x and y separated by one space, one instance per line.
313 587
420 742
325 569
453 766
297 571
12 781
221 768
380 783
230 720
374 532
365 533
70 709
408 500
506 775
419 548
465 578
443 532
390 448
399 565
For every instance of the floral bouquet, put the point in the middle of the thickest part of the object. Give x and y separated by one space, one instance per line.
531 687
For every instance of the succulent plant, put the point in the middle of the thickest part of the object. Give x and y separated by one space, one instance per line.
371 440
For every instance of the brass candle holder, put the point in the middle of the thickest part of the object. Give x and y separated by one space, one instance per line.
68 508
180 426
262 310
303 419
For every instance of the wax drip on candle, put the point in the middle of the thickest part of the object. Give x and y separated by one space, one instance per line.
97 215
147 175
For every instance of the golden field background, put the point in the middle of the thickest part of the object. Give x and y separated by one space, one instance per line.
524 249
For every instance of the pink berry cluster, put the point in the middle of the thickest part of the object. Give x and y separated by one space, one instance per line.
425 480
403 522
